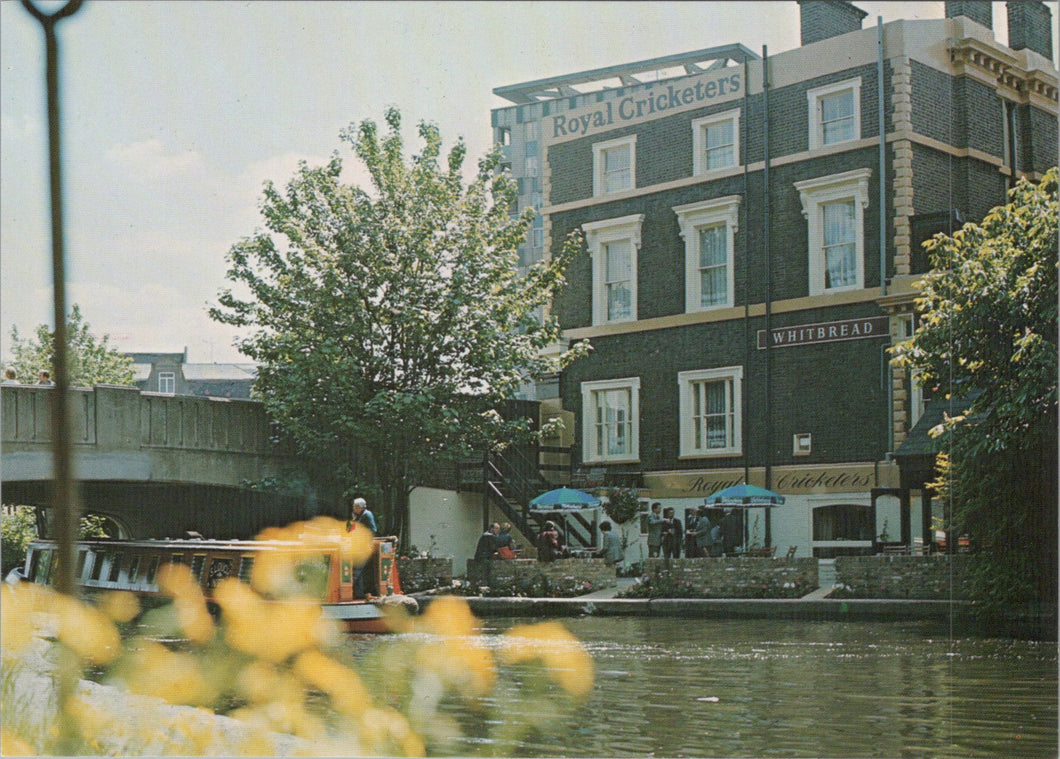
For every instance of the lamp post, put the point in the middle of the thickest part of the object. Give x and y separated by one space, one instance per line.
63 497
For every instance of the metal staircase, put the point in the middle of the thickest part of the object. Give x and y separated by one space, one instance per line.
511 479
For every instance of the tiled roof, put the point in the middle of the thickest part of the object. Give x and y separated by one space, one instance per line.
201 372
919 442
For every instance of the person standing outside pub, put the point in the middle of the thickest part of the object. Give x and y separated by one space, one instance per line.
655 530
702 532
673 535
612 544
690 534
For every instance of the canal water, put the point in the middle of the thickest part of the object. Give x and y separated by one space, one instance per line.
769 688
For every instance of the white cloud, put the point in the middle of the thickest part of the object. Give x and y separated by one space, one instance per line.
155 317
149 158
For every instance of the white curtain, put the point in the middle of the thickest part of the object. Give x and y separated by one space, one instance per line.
616 168
720 145
713 265
711 412
839 245
618 280
612 422
837 117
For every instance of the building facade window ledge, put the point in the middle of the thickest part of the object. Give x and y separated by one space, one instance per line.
834 208
613 246
709 228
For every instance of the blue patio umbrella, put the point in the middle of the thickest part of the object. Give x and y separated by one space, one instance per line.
744 497
565 498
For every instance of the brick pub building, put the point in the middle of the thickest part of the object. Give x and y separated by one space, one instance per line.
753 225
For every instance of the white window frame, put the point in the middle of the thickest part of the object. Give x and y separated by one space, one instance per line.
693 217
815 194
699 141
597 235
685 383
814 97
589 421
171 380
599 149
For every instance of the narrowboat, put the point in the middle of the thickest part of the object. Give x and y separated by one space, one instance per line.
318 570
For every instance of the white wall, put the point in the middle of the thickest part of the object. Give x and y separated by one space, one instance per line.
454 519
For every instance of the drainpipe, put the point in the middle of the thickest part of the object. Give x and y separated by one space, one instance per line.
747 335
883 156
882 171
768 540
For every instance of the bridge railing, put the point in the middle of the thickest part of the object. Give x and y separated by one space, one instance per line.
112 417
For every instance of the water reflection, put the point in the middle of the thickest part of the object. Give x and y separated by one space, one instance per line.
754 688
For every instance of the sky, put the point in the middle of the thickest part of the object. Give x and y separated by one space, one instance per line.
175 113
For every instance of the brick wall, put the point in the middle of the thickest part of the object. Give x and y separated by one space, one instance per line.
424 574
562 578
822 19
846 373
1030 26
743 577
977 10
1039 140
940 577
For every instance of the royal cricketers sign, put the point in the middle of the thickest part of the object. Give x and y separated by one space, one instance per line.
825 332
647 103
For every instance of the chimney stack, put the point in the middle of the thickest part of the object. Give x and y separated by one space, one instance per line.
1030 26
978 11
824 19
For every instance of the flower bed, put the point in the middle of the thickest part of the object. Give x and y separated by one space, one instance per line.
529 578
420 574
725 578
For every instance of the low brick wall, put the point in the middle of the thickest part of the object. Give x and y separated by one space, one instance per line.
424 574
743 577
938 577
562 578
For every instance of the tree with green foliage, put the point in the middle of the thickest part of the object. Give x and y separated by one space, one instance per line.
18 528
394 322
90 360
988 333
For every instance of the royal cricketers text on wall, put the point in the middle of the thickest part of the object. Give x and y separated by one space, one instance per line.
825 332
789 480
650 103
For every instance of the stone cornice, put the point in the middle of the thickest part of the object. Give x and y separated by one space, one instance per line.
1003 71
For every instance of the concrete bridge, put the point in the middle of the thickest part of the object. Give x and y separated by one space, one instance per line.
157 465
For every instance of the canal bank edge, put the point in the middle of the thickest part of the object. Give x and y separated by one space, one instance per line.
962 615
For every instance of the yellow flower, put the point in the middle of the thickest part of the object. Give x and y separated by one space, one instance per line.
170 675
564 657
460 659
120 605
12 745
269 630
383 729
448 615
343 686
175 580
87 630
17 605
302 568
